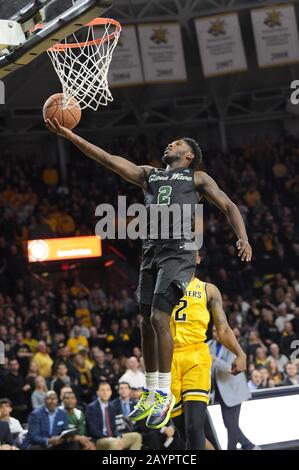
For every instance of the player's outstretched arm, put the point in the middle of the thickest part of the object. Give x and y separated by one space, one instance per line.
211 191
224 331
129 171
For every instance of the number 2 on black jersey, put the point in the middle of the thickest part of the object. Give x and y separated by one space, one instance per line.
179 315
164 195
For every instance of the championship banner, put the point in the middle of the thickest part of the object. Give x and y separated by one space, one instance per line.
56 249
162 52
125 68
276 35
220 44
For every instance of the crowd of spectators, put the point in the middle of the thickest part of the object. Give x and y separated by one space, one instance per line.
68 342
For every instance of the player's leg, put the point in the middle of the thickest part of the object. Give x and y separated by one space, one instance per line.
163 305
177 412
230 417
150 358
148 338
196 383
195 413
149 344
175 267
179 424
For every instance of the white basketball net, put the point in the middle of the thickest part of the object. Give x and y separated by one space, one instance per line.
83 68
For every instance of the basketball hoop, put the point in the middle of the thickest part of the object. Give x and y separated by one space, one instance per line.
82 67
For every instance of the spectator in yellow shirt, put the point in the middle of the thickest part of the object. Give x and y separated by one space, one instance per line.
79 289
83 314
78 342
43 360
32 343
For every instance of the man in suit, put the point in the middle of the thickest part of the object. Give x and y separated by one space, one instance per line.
45 424
152 438
122 406
230 390
101 425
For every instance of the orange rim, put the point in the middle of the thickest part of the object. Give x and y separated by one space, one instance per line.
96 22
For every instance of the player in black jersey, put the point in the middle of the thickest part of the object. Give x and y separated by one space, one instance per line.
167 267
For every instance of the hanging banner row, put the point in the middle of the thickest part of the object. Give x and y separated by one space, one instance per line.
220 44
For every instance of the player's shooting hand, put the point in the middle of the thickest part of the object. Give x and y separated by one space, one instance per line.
56 128
244 250
239 364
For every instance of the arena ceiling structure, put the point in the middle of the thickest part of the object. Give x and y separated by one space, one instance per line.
251 96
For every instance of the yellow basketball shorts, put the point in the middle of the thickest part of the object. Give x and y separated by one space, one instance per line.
190 376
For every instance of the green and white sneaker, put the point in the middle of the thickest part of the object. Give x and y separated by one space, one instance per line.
161 411
144 406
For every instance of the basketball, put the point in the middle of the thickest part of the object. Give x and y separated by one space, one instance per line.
68 117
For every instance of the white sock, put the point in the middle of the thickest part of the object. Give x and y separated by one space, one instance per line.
164 382
151 379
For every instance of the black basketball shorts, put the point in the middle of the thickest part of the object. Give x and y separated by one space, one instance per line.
163 265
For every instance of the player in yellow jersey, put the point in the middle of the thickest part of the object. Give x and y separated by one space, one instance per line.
191 364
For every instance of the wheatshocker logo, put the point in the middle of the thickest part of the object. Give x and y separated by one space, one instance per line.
217 28
159 36
2 92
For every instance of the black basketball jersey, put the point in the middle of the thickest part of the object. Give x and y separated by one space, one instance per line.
170 201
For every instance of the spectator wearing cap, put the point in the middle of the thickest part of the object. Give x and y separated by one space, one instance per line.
43 360
133 376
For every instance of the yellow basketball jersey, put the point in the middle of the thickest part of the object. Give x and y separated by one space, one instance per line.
190 317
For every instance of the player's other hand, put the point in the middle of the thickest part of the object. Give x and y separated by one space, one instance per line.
56 128
244 250
239 364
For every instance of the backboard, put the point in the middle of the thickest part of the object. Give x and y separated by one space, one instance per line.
21 41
